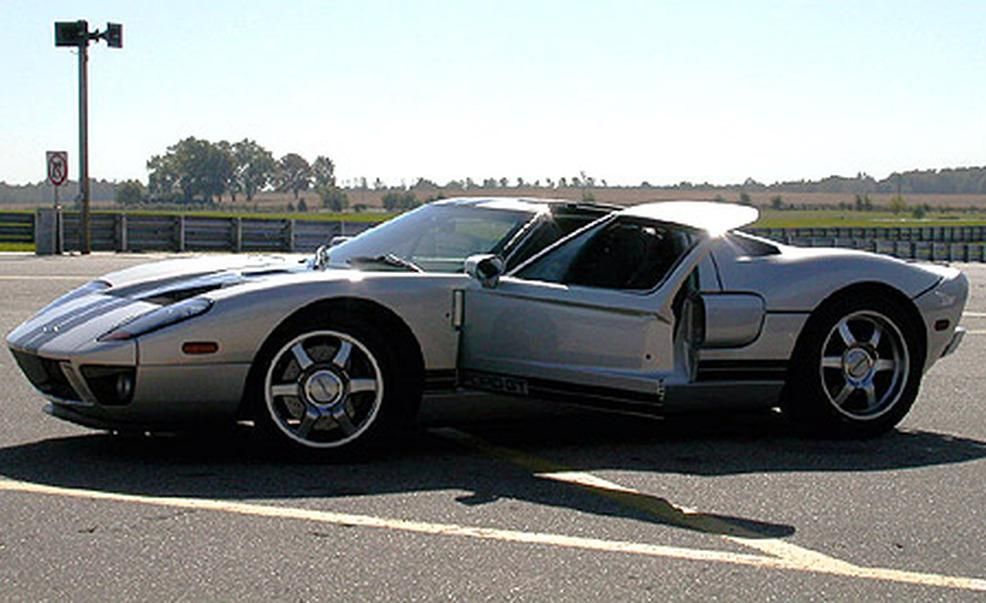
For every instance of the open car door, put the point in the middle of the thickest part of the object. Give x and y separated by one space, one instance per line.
604 316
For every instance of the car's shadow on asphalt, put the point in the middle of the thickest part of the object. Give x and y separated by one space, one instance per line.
492 458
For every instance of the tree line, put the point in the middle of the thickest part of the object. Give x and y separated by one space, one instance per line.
195 171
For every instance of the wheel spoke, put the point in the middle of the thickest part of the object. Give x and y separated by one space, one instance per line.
847 337
843 395
285 389
308 421
870 390
343 420
362 385
884 364
301 355
342 354
875 337
832 362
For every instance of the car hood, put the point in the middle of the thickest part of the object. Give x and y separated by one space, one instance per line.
195 267
74 320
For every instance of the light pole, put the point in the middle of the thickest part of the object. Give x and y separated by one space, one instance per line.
77 34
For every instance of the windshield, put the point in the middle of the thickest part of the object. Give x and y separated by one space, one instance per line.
436 238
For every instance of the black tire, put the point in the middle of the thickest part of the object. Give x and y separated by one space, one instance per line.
839 383
332 386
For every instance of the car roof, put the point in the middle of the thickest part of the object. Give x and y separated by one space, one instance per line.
712 216
529 204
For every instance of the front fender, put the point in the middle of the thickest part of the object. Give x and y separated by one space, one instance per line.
243 317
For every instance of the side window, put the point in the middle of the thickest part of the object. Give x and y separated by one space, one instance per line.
624 253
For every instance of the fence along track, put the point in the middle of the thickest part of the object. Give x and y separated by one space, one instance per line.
128 232
16 227
123 232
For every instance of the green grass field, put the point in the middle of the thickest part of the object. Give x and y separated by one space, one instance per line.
770 218
16 246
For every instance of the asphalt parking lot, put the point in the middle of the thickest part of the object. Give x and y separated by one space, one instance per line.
510 501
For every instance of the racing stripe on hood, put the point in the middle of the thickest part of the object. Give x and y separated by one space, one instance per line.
62 324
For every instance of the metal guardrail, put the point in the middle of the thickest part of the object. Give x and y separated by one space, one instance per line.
944 234
16 227
123 232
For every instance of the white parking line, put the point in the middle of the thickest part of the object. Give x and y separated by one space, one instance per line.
52 277
974 314
513 536
794 557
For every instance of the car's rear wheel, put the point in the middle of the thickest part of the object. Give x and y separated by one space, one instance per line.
857 368
330 387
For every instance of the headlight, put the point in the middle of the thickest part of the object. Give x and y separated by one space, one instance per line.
157 319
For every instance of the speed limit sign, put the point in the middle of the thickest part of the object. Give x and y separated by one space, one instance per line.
57 167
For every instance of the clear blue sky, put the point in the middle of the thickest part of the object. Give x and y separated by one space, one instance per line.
624 90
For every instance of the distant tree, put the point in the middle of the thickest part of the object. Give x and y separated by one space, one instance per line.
777 202
253 168
562 183
897 204
293 174
470 183
302 205
378 184
918 212
520 181
333 198
719 199
323 172
360 208
164 180
745 199
129 192
394 200
504 182
192 169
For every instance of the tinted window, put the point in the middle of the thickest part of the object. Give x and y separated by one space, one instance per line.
624 253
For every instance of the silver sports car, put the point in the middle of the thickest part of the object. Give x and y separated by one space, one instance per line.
658 308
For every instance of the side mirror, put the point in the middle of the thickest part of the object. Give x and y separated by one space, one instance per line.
485 268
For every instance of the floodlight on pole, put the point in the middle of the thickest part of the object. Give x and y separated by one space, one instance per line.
76 34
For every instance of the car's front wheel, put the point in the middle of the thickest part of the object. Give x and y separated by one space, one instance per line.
857 369
331 387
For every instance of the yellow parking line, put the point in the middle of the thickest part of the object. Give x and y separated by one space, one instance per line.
512 536
791 555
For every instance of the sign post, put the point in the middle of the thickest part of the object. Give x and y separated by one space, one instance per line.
76 34
57 162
